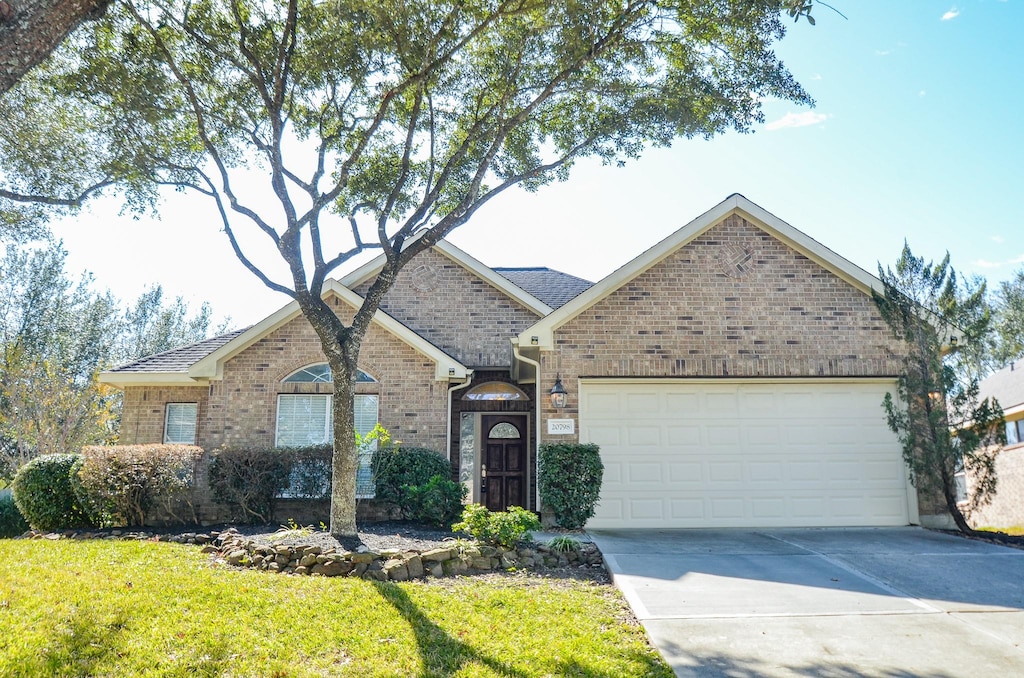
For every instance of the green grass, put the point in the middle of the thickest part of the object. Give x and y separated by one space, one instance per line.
71 608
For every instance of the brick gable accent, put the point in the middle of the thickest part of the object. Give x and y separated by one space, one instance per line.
455 310
733 302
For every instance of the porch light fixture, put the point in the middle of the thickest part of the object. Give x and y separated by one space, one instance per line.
451 371
558 393
534 341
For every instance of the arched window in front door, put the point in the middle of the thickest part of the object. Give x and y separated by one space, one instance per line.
504 430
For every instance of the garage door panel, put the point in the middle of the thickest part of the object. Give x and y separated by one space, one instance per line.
743 454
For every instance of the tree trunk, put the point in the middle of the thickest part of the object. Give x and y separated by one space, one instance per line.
345 460
949 492
31 29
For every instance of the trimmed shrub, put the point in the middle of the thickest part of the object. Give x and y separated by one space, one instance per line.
44 495
397 467
438 502
569 479
12 523
500 528
250 479
120 484
309 476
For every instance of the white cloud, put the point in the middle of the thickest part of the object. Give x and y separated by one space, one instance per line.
951 14
816 76
982 263
922 93
883 52
1017 260
997 239
805 119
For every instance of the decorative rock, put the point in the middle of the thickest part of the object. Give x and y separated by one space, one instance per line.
396 569
202 539
308 560
435 569
375 575
336 568
415 566
454 566
274 566
481 563
436 555
359 568
210 548
364 557
236 557
281 559
301 570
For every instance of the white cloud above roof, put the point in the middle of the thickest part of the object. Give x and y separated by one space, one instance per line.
951 14
804 119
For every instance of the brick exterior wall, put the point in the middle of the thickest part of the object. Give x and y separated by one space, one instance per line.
1007 508
241 408
456 311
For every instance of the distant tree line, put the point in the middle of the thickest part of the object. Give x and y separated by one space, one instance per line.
57 332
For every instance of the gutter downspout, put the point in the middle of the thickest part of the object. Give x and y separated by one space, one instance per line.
536 399
451 390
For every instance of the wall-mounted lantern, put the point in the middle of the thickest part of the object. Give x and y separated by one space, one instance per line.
558 393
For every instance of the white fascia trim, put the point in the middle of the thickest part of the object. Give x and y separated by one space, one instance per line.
478 268
735 204
738 380
123 379
445 366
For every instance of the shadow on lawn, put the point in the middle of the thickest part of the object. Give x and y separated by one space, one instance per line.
442 654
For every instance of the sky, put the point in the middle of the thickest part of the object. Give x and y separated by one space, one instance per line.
916 136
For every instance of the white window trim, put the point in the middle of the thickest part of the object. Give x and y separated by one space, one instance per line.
167 423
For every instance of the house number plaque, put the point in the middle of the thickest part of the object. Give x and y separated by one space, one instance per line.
561 427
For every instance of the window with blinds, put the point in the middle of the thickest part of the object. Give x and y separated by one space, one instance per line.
307 419
180 423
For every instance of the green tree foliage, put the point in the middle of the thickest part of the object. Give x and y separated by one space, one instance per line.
56 334
1009 320
942 424
382 124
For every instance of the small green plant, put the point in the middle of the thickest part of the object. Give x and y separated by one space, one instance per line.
438 502
564 544
500 528
44 495
292 531
12 523
569 478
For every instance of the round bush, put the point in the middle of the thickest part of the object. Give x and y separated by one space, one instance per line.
569 480
44 494
12 523
397 467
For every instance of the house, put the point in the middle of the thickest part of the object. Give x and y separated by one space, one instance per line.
732 374
1007 508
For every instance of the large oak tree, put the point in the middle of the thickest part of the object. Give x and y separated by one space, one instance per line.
327 128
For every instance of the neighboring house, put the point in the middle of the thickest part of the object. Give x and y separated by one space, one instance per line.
733 375
1007 508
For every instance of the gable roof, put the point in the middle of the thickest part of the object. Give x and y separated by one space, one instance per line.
552 287
199 363
1006 386
544 329
505 285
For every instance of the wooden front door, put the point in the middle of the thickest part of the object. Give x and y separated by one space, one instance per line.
503 472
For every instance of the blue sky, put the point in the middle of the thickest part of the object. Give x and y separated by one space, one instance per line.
916 135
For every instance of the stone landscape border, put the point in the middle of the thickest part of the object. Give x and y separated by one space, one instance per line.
230 547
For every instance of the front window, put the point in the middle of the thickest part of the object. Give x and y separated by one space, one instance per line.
1015 432
180 423
305 419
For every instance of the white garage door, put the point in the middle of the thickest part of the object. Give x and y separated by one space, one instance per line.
742 454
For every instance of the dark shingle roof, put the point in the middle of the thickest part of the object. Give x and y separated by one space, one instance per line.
1006 385
554 288
181 358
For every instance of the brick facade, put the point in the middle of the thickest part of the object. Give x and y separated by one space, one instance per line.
456 311
1007 508
699 314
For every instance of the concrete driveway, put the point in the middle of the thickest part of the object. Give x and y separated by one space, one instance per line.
823 602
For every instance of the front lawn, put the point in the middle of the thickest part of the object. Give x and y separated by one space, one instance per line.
145 608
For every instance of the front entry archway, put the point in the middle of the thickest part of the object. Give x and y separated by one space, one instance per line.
503 469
